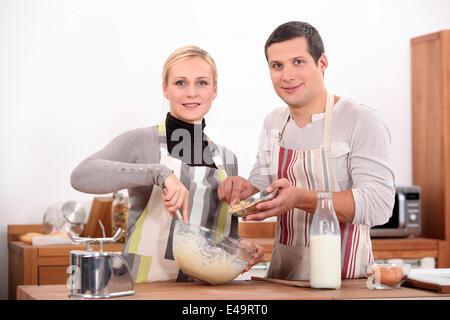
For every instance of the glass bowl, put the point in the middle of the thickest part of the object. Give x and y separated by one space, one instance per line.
386 275
207 255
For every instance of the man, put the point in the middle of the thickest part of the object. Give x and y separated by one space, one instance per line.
320 142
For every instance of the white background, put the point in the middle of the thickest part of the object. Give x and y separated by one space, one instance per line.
74 74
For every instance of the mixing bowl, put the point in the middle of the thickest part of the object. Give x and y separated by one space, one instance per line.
207 255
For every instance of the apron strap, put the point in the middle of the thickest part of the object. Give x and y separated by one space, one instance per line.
326 143
326 137
162 139
283 124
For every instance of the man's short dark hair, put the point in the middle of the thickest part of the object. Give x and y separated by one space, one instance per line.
294 29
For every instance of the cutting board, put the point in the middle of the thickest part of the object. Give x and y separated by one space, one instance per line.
294 283
100 210
431 279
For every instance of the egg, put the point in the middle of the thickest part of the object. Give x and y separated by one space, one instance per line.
388 276
397 273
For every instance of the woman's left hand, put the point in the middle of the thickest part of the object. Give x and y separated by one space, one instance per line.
257 257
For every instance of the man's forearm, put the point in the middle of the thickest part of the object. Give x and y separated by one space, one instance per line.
343 203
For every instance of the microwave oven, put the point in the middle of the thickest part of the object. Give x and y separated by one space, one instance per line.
406 215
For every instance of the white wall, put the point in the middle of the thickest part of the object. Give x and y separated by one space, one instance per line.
74 74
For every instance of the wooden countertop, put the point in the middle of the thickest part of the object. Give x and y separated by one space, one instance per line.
237 290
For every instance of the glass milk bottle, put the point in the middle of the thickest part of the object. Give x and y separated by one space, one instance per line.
325 243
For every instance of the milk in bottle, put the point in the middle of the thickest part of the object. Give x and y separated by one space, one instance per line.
325 243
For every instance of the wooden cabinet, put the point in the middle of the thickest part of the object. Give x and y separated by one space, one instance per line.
430 58
405 248
38 265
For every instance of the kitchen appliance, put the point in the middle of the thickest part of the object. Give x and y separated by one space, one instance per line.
98 274
406 215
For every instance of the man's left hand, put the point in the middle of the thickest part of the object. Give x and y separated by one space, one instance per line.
285 200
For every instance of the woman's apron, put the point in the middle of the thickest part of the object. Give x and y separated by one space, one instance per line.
312 170
148 249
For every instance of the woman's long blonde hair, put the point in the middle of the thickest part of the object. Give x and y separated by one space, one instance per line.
184 53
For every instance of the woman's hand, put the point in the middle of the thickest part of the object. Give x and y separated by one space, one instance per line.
286 199
177 196
257 257
233 189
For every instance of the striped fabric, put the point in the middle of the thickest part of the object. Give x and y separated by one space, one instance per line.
312 170
148 249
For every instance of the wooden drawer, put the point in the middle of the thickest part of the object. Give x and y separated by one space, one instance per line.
257 229
53 275
406 248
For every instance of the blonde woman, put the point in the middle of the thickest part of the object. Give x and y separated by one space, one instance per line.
177 155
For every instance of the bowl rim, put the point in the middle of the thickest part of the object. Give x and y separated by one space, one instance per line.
223 236
387 264
406 267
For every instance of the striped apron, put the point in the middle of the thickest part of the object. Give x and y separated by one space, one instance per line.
312 170
148 249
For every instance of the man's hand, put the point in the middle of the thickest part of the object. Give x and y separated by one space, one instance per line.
285 200
233 189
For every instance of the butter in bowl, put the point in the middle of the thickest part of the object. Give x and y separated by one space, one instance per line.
386 275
